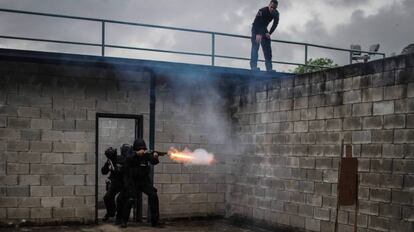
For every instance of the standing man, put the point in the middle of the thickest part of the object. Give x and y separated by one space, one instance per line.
261 36
137 179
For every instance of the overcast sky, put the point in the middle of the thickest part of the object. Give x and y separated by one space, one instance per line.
337 23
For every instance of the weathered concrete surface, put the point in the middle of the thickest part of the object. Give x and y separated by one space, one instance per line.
178 226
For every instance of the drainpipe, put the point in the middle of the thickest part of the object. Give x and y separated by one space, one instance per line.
151 130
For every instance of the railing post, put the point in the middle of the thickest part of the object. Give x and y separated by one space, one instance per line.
213 47
103 38
306 57
350 57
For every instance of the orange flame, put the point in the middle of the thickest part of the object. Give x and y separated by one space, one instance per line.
199 156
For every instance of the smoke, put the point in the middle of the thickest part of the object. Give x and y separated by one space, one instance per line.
199 157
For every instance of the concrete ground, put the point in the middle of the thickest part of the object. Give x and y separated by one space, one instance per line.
175 226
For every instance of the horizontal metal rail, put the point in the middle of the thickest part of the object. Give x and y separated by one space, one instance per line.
213 35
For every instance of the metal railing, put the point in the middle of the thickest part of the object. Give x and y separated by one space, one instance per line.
213 35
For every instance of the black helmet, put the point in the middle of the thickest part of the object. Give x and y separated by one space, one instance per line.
139 144
111 153
125 150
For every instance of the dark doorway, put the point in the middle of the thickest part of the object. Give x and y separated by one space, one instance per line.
112 130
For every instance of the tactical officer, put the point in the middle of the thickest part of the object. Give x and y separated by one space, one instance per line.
114 182
137 179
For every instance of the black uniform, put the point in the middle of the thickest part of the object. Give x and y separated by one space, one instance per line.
136 178
114 182
260 23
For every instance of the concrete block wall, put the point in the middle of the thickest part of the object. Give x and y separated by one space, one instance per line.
47 138
292 128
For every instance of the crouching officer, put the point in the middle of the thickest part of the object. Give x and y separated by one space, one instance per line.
137 179
114 183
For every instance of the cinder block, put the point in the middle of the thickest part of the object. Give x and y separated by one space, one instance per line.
41 213
369 150
49 202
63 191
333 124
36 146
208 188
29 179
390 211
30 134
380 195
40 191
312 225
377 223
85 147
180 178
369 208
300 127
318 125
17 146
28 202
409 182
383 108
64 147
64 125
17 168
85 125
373 122
381 166
8 180
18 123
362 109
198 197
395 92
361 137
404 136
73 202
74 158
51 180
23 157
171 188
190 188
321 214
372 94
85 212
28 112
172 168
85 169
84 190
63 212
44 124
8 202
396 121
74 179
351 97
48 135
18 213
9 134
403 166
17 191
324 189
324 112
382 136
52 158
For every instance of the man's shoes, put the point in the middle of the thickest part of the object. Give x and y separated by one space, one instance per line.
158 224
117 222
271 71
255 69
124 225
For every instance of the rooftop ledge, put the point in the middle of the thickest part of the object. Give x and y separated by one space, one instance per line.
132 64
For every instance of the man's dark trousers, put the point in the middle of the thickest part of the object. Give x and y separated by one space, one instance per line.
267 52
153 201
109 198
